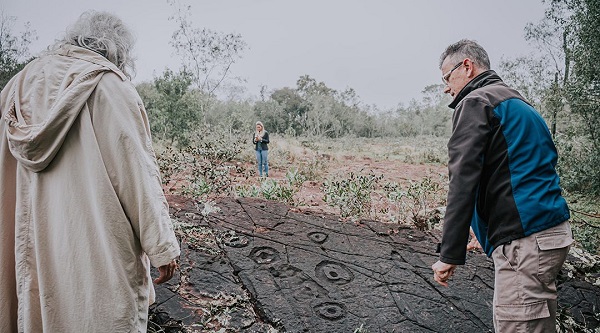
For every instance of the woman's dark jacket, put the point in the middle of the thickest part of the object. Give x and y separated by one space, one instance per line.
502 162
262 143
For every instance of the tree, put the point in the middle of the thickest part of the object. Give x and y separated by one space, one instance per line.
14 49
171 106
272 115
582 88
294 109
207 55
583 84
564 80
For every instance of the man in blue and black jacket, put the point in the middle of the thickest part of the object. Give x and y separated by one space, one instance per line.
503 184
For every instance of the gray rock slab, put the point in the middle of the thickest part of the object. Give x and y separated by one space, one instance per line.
271 269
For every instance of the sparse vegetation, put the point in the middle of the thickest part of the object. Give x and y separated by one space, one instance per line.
585 222
419 199
278 190
351 194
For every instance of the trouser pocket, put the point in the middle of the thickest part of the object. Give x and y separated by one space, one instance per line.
522 312
553 247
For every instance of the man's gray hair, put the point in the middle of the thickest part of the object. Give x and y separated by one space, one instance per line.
105 34
465 48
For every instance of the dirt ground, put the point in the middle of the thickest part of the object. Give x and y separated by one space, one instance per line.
311 193
391 161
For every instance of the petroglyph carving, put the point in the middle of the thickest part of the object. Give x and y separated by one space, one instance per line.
330 310
264 255
237 241
333 272
317 237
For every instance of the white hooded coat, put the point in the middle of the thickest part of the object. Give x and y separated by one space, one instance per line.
82 205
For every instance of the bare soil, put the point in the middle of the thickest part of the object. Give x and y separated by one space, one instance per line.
310 196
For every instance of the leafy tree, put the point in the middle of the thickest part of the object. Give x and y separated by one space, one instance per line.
294 108
582 88
235 117
326 112
553 37
562 80
14 49
325 117
435 114
309 86
272 114
172 106
577 22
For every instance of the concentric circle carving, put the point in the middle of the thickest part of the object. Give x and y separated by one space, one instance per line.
330 310
317 237
333 272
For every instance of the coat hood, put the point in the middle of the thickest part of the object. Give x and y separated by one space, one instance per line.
40 104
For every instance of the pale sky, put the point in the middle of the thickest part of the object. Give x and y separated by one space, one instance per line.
387 50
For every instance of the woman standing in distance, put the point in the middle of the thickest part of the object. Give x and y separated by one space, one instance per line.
260 140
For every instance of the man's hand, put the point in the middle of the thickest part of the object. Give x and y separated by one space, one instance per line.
166 272
442 272
474 243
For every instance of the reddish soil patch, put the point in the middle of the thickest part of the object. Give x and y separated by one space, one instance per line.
310 196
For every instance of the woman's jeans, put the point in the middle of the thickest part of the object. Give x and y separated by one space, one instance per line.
263 162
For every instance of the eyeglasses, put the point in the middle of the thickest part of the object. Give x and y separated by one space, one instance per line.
446 76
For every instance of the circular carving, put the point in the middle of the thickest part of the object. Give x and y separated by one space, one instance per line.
236 241
333 272
264 255
330 310
317 237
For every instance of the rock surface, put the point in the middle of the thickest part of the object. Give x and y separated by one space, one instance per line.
252 265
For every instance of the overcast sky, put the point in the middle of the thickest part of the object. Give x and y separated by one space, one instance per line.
387 50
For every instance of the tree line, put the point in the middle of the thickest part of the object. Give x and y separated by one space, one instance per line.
561 80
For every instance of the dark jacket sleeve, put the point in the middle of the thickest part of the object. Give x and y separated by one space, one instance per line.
265 138
470 132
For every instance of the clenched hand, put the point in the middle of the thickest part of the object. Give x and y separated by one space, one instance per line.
442 272
166 272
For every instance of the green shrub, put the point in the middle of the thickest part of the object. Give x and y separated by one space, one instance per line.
585 221
314 169
201 169
271 189
416 198
351 195
578 165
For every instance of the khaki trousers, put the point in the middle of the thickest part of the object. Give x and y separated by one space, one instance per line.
525 274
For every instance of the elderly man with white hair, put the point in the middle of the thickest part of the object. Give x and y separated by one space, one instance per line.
82 211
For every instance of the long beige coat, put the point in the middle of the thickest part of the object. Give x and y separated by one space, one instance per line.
82 207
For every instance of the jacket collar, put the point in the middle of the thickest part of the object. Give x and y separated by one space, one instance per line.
486 78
